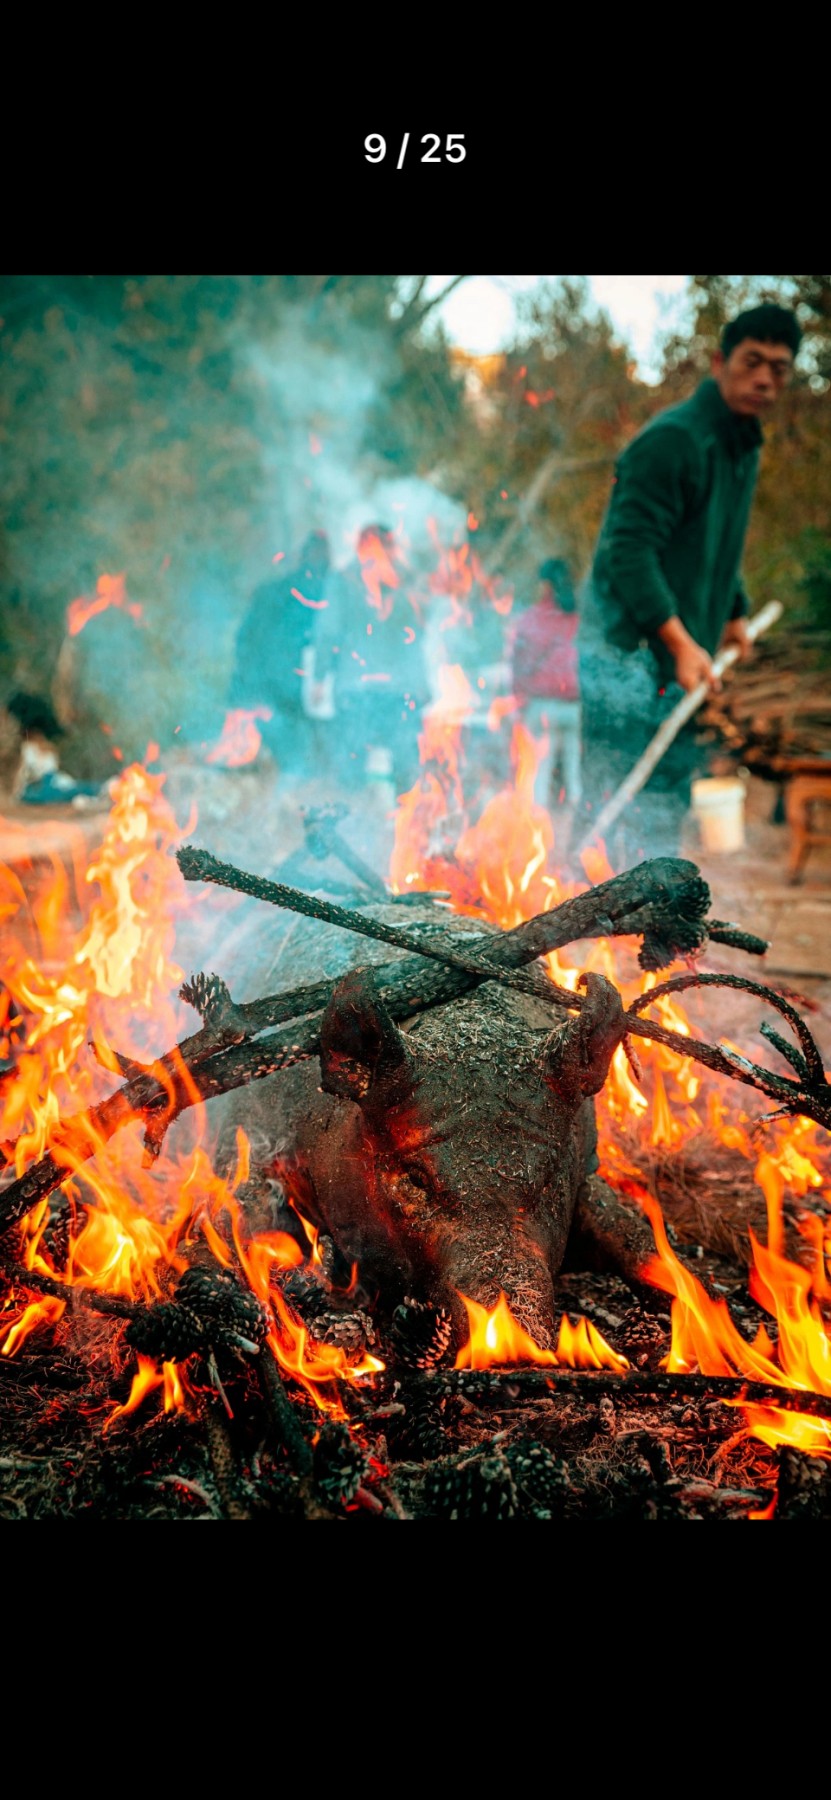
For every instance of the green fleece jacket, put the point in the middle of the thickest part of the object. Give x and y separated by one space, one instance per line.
673 535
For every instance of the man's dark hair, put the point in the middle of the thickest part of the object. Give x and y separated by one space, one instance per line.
556 571
315 541
34 714
769 324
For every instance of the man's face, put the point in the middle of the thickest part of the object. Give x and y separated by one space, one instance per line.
753 376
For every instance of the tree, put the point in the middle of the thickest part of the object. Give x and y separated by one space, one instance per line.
564 395
185 430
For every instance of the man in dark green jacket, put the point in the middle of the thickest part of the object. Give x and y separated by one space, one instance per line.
665 591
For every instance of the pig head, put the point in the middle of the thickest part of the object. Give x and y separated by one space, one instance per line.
446 1157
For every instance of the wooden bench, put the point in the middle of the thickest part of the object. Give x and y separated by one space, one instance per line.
802 794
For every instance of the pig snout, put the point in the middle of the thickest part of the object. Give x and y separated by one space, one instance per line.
471 1145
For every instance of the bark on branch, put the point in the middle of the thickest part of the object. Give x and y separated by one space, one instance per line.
665 900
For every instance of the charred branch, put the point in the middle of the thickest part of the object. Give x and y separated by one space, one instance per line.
90 1298
809 1096
219 1058
664 900
498 1385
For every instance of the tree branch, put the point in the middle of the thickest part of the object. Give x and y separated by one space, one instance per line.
217 1060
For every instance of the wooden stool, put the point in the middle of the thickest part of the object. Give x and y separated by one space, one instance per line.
804 792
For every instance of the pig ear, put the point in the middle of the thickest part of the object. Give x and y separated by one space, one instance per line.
359 1041
575 1058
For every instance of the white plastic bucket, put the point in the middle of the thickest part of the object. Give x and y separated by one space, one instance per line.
718 805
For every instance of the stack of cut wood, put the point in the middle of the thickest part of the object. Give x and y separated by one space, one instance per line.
774 713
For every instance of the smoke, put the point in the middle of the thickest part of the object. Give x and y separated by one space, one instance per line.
195 490
317 407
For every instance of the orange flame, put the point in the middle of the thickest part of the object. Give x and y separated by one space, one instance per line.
496 1337
378 557
145 1381
110 591
117 982
705 1337
499 864
240 741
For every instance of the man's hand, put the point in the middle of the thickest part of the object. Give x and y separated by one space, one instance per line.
736 632
692 664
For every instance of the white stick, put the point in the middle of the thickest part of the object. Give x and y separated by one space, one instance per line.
672 724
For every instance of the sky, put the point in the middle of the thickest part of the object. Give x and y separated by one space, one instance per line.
479 315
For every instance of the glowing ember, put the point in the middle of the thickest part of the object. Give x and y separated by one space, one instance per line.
378 557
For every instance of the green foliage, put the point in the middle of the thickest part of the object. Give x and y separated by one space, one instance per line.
565 391
183 429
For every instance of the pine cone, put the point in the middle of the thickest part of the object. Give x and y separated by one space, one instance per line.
420 1334
421 1434
483 1489
351 1332
305 1293
210 997
804 1486
680 927
58 1235
166 1331
207 994
339 1463
224 1307
541 1479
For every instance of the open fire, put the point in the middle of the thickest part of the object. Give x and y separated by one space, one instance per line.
91 996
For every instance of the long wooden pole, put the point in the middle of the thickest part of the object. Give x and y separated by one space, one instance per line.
671 726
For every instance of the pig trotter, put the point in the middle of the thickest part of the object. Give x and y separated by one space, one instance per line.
608 1234
359 1040
576 1056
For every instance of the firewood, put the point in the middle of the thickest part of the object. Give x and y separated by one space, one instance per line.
495 1386
664 900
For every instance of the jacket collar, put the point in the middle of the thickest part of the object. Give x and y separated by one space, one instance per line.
739 434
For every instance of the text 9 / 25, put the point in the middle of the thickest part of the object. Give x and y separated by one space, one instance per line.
375 148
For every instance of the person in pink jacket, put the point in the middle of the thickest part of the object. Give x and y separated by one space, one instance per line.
543 655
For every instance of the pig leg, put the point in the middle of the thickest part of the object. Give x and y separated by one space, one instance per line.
610 1235
498 1258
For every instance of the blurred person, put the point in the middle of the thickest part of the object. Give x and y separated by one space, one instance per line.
366 640
37 779
274 660
542 647
665 592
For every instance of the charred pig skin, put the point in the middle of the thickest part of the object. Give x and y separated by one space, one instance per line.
446 1156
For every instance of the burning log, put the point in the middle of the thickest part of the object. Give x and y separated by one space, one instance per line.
496 1386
